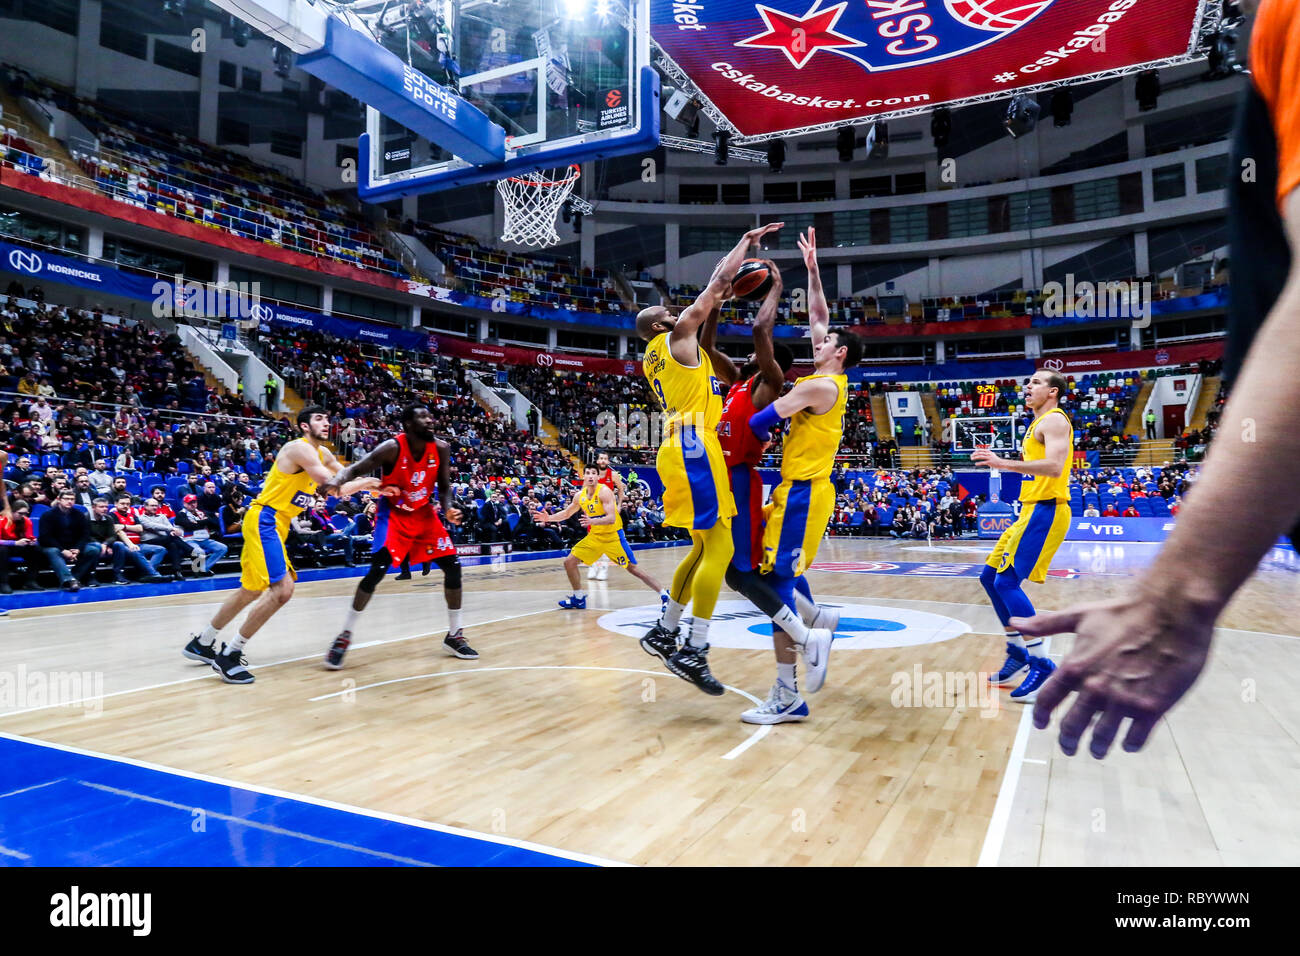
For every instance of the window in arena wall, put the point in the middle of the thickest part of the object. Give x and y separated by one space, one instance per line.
778 191
817 190
788 237
1169 182
1098 199
585 340
906 184
698 193
233 132
909 224
113 37
1211 174
968 217
41 231
252 80
227 74
735 194
1032 211
532 334
177 58
280 289
349 303
137 257
286 144
709 239
871 187
59 15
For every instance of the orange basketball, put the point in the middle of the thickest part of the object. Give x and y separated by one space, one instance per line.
753 280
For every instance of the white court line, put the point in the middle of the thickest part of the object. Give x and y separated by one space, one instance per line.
5 851
754 738
1032 760
997 831
206 672
317 801
253 824
38 786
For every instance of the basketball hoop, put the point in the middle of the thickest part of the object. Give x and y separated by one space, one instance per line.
532 202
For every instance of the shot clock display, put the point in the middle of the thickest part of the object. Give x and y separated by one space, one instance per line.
988 395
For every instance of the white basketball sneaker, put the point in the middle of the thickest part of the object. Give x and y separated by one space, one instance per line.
783 706
817 657
826 617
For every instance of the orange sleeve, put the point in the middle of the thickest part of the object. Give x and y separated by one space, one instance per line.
1275 65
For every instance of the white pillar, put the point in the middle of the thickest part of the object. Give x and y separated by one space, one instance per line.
95 242
552 338
1142 252
209 88
88 26
327 299
672 253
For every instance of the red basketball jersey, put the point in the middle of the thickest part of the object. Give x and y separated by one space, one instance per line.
415 476
607 479
739 446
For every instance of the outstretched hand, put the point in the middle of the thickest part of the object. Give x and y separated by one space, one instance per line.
1133 658
808 246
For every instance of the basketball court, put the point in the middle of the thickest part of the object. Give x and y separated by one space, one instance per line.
566 743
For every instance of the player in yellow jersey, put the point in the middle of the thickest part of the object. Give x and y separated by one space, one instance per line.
803 504
1025 550
697 492
267 576
604 538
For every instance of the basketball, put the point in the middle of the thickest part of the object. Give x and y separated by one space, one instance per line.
996 15
753 280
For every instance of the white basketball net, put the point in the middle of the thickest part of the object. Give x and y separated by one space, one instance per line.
532 202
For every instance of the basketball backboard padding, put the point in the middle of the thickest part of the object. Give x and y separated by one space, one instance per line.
354 63
641 139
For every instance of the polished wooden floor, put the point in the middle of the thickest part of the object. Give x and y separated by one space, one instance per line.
566 734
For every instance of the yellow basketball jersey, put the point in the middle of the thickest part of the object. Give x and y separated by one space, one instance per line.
285 494
592 507
689 396
1037 487
814 440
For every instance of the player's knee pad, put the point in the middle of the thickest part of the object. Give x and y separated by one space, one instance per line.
450 567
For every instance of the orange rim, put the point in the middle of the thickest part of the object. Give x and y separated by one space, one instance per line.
575 172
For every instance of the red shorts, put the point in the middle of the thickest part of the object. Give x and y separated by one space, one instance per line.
747 526
418 535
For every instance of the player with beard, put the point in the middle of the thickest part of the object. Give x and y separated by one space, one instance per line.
407 525
267 576
752 388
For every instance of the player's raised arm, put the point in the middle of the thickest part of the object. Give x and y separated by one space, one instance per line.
381 458
771 378
819 314
723 367
714 294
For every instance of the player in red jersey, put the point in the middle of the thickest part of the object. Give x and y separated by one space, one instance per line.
599 571
752 388
407 525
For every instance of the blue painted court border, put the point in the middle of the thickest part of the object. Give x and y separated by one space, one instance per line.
21 600
64 807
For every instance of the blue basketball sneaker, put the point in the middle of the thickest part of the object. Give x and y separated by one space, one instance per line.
1040 668
574 603
1017 663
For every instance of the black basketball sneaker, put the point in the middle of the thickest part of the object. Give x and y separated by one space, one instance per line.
231 667
334 657
456 646
660 642
691 663
200 653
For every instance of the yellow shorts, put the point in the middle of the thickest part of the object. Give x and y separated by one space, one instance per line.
265 559
616 548
797 517
1030 544
697 491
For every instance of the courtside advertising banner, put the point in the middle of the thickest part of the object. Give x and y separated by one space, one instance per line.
786 65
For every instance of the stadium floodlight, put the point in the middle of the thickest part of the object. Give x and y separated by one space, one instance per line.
283 58
845 142
175 7
878 141
1062 107
1223 53
240 31
721 146
941 127
776 155
1022 115
1148 90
